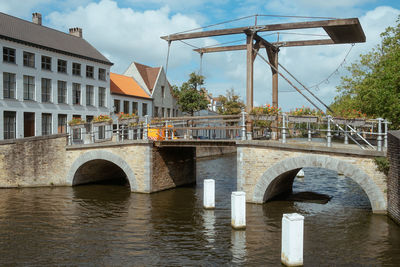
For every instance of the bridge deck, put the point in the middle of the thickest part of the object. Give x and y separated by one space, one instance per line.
311 147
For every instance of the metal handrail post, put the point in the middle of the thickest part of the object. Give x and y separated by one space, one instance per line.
385 141
69 135
166 130
346 137
309 131
243 124
145 137
328 134
379 138
117 132
283 128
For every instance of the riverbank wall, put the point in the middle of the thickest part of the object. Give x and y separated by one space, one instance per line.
202 152
394 176
33 161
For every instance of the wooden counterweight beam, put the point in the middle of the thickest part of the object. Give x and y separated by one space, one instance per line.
276 44
349 26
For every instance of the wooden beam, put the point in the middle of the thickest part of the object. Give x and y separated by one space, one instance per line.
273 27
273 59
249 73
276 44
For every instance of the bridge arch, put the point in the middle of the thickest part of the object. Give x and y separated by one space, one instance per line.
101 157
277 178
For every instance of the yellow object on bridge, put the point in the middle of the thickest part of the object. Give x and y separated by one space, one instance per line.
161 134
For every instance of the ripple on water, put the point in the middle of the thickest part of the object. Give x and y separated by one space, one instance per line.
106 225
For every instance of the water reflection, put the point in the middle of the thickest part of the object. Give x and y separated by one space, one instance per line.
238 249
209 227
105 225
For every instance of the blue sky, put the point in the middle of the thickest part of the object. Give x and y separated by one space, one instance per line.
129 30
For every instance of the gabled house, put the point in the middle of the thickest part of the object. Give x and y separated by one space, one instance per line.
155 82
128 96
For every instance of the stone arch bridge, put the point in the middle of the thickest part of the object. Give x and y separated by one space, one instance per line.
265 168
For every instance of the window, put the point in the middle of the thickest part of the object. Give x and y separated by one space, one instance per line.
144 109
126 107
76 94
89 95
155 112
76 69
8 55
135 108
62 66
116 106
88 125
168 112
102 97
29 87
76 133
8 85
89 71
62 92
9 125
162 112
162 91
46 63
46 124
46 90
62 123
102 74
29 59
102 132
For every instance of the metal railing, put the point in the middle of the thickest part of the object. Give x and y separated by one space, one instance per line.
365 133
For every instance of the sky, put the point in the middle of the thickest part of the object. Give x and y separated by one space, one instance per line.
130 30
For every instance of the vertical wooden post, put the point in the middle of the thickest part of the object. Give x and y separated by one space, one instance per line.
249 81
275 79
249 78
273 59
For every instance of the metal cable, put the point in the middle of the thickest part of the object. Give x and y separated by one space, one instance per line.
283 76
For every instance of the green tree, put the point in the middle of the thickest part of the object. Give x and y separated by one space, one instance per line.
230 104
190 99
373 85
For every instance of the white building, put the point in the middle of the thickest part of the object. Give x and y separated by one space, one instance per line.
155 82
128 97
48 77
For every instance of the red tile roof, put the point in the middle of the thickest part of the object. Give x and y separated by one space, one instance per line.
124 85
148 74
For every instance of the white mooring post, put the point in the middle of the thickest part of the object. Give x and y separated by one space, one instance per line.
238 210
209 194
292 239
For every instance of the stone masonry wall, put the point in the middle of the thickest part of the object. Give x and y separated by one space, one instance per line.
33 161
172 167
202 152
394 176
136 156
252 162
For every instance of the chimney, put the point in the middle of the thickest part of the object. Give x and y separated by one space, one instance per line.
37 18
76 32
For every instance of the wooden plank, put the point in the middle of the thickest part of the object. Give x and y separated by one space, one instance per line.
276 44
271 27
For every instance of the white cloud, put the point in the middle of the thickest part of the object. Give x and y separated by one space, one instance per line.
16 8
126 34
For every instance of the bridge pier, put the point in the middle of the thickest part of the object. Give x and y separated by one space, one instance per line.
146 167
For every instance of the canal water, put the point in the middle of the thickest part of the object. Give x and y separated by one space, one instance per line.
106 225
